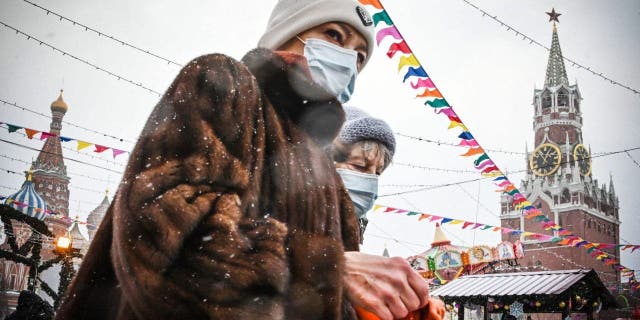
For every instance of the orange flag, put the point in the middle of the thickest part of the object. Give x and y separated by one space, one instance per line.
30 132
473 151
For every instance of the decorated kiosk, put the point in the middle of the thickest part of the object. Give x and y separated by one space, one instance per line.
444 262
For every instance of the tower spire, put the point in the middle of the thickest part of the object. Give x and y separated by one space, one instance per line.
556 73
49 171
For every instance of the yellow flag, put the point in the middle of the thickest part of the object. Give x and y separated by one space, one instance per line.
409 60
82 145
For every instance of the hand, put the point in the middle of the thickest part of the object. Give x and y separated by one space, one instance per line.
387 287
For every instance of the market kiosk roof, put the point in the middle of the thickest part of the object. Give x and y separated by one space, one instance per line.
522 284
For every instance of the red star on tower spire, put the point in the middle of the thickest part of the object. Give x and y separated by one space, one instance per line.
553 16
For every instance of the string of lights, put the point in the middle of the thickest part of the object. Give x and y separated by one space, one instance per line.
479 204
533 41
70 185
102 34
415 166
432 187
451 144
64 53
405 185
565 259
422 246
390 235
69 172
67 158
15 105
483 178
632 159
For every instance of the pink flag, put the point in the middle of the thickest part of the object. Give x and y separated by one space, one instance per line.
46 135
390 31
425 83
117 152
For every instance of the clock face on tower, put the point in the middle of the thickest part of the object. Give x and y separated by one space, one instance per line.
583 159
545 160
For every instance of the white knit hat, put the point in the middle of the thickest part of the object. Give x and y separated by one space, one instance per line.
291 17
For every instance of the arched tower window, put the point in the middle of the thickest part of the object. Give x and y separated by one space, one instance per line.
566 196
576 104
546 102
563 100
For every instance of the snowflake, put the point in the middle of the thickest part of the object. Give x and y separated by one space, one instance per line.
516 309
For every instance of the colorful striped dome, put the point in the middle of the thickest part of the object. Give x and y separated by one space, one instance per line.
28 201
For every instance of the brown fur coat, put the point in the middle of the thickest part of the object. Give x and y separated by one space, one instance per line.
229 207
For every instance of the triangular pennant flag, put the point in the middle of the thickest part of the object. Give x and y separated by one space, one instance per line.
398 46
117 152
82 145
46 135
435 93
466 224
423 216
376 207
30 132
473 151
437 103
466 135
506 230
65 139
454 124
100 148
416 72
409 60
12 128
375 3
389 31
381 16
423 83
446 220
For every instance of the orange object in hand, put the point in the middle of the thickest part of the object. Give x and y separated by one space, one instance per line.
434 310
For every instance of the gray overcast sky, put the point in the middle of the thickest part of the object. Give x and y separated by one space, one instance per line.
485 71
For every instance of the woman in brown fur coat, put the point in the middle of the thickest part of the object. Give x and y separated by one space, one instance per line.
229 207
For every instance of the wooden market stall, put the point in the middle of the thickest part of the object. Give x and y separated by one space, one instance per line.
578 294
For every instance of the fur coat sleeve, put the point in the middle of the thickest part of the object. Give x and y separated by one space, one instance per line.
200 227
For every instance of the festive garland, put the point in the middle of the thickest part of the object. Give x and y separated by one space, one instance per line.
80 143
470 225
55 215
427 91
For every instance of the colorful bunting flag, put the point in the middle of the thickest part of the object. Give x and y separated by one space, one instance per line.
30 133
416 70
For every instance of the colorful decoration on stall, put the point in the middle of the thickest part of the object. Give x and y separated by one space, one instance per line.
30 133
516 309
427 91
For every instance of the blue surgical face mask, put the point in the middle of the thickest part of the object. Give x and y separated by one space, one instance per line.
333 67
362 187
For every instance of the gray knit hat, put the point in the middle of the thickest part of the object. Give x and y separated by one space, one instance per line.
291 17
361 126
